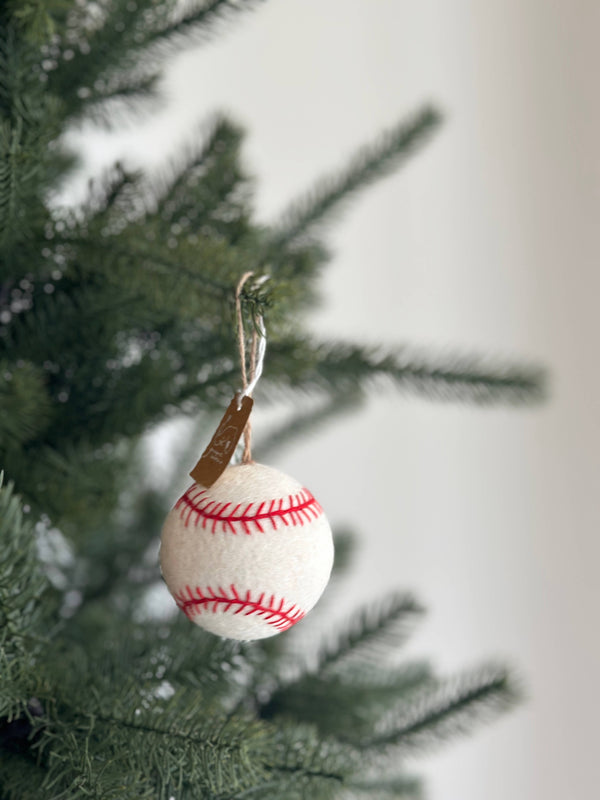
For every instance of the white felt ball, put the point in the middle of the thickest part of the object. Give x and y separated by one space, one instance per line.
248 557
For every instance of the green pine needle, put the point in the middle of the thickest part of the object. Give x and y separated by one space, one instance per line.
369 164
399 788
371 636
24 590
341 368
454 708
372 633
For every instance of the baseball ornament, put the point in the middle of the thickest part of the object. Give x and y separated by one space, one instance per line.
247 551
249 556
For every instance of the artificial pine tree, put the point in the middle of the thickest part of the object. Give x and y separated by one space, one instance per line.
114 317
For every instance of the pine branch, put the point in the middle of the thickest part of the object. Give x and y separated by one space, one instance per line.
34 19
24 403
104 45
455 708
369 164
122 99
114 559
109 196
371 636
26 608
29 162
117 39
398 788
201 20
131 260
25 603
350 703
371 633
76 486
340 368
140 746
304 765
205 187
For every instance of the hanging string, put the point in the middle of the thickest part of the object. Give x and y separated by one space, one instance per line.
257 356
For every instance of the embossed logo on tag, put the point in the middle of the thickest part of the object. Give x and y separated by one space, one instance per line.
218 454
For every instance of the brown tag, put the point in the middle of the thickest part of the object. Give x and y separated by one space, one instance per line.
217 455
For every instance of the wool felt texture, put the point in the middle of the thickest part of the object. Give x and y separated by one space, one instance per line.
248 557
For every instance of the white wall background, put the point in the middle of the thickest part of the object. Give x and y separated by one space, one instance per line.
487 241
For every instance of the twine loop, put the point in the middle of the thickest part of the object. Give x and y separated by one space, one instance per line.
258 347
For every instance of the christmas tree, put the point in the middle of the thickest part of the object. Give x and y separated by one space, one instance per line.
114 317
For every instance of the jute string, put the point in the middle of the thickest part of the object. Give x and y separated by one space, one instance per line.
257 355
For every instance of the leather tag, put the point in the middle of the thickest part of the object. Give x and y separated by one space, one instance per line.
218 454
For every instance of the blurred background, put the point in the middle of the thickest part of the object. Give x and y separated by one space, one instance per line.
487 241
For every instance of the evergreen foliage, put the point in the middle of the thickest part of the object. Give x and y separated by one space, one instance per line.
113 318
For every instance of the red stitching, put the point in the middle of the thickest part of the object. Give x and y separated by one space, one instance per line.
302 507
194 602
